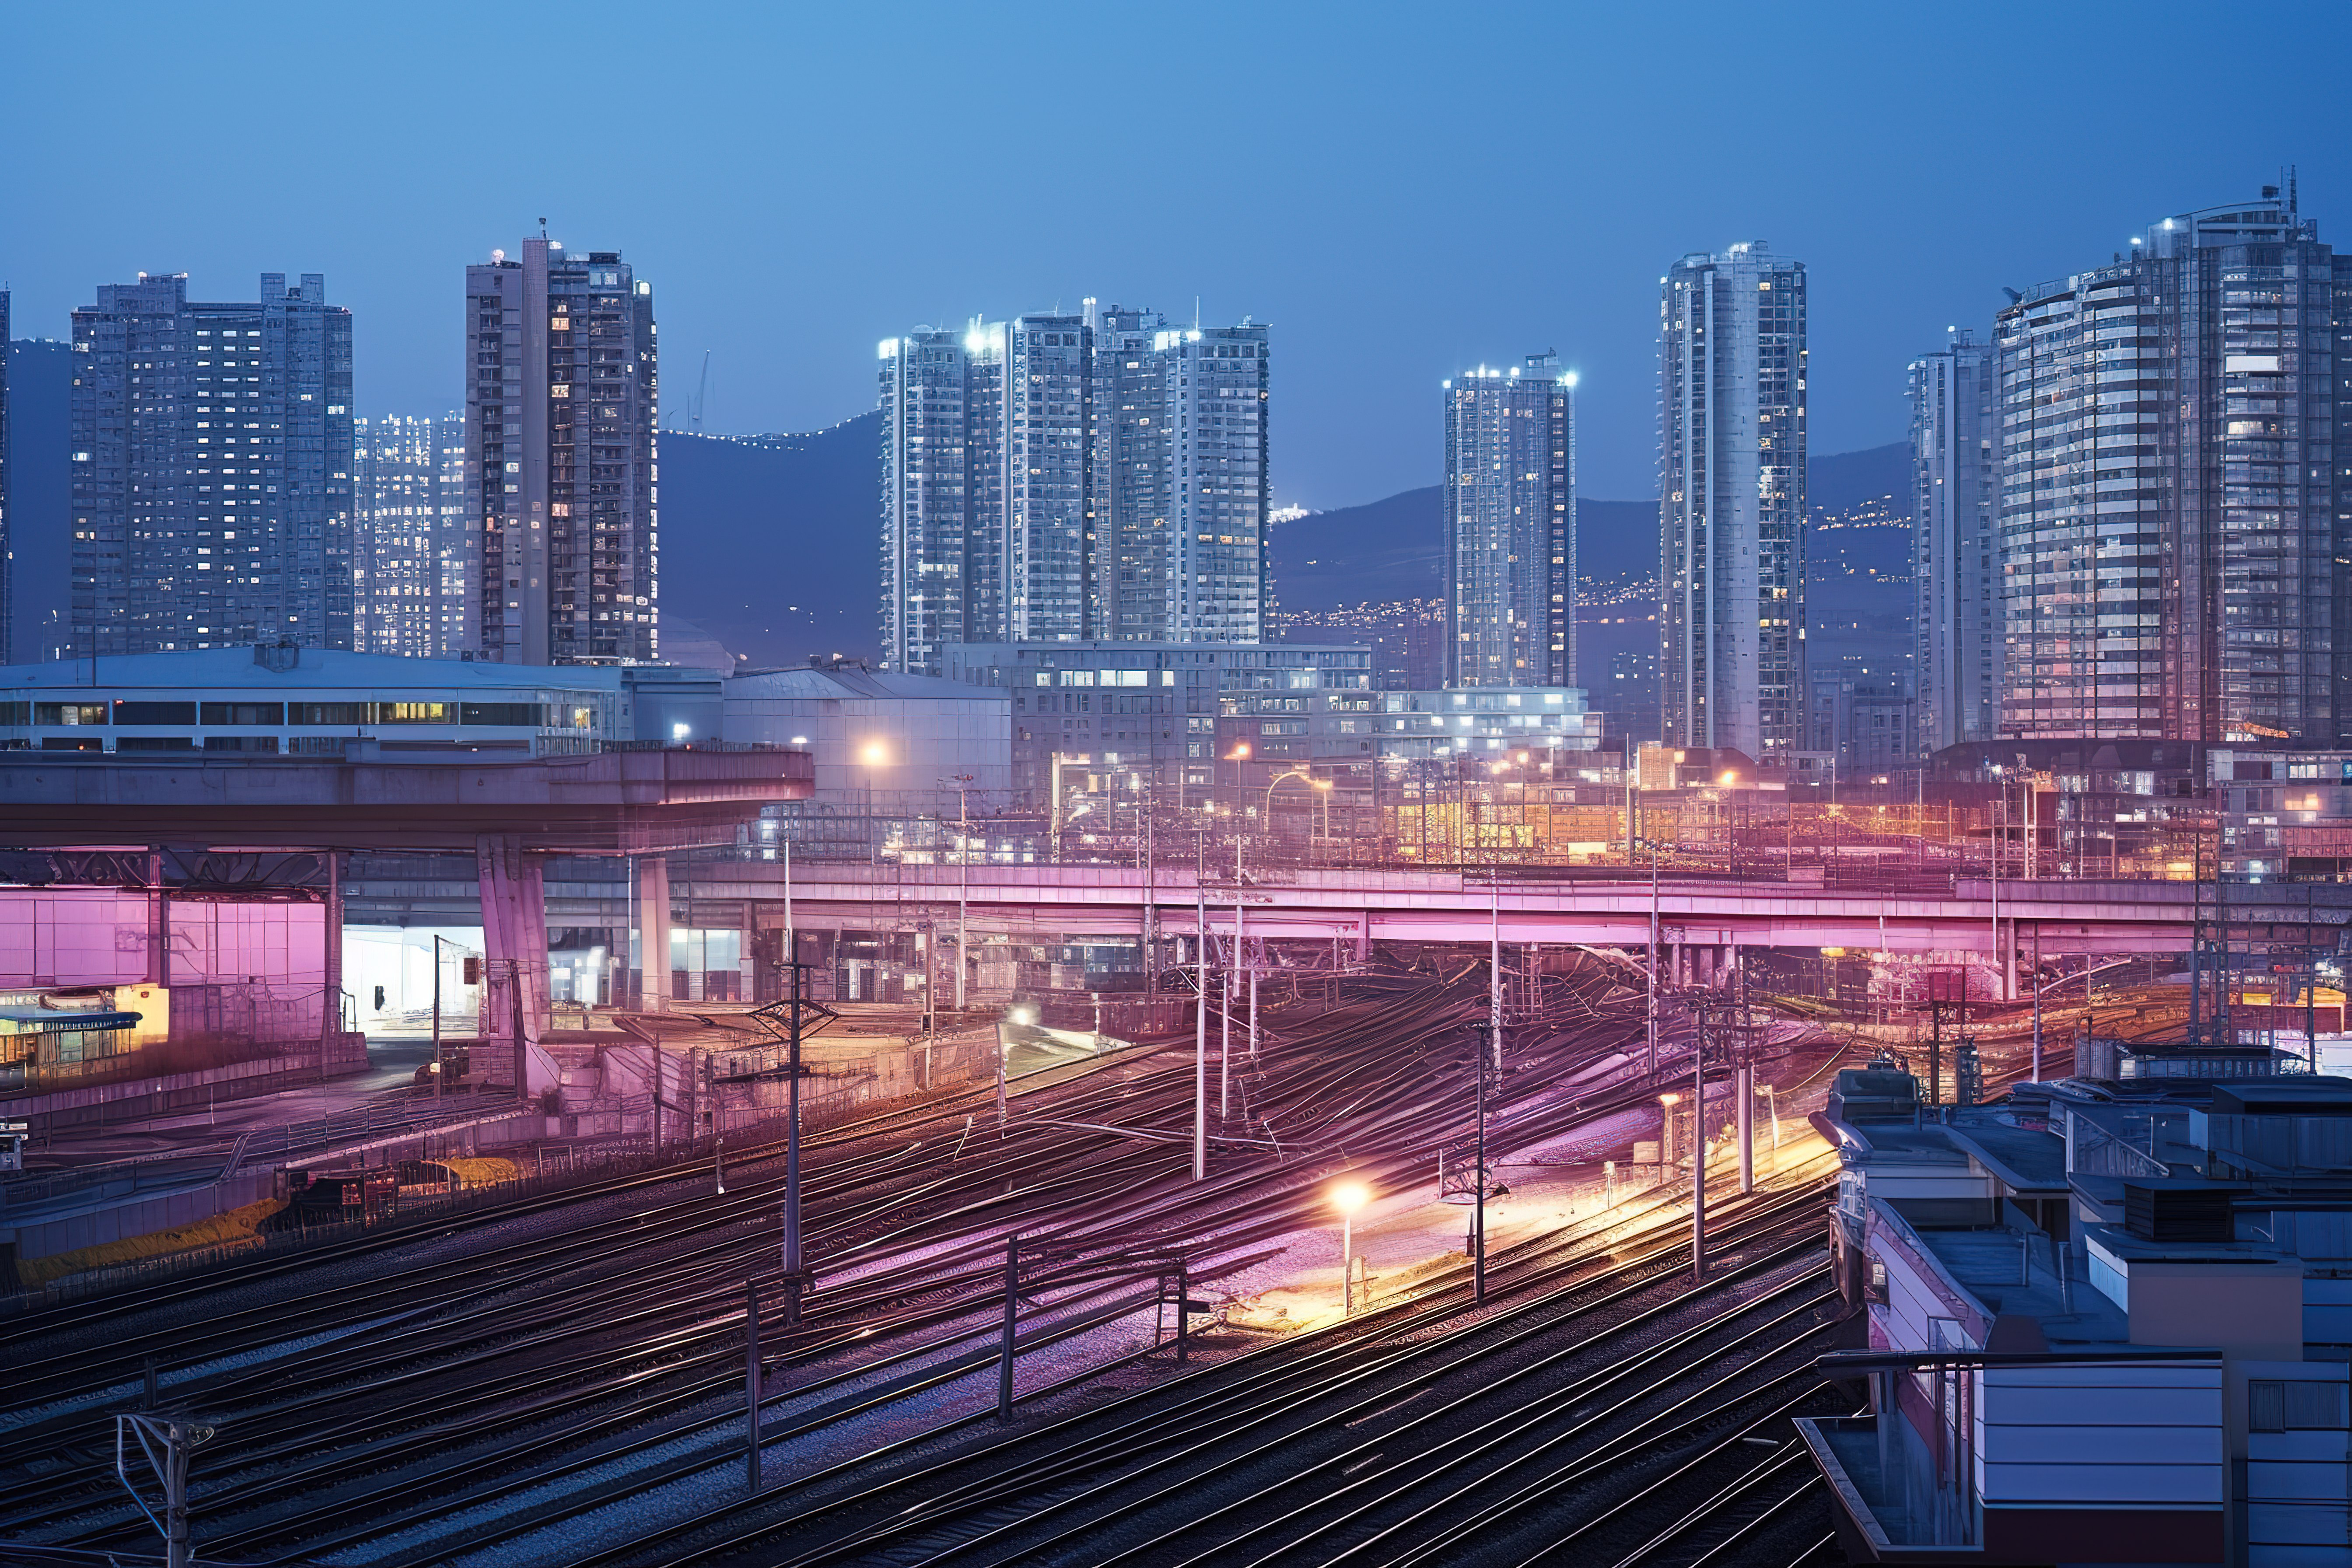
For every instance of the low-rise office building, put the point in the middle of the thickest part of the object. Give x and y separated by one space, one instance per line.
287 701
2108 1319
1141 705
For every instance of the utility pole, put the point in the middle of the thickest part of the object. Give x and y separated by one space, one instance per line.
2037 1001
1201 1009
440 1069
164 1439
1484 1036
1653 999
1699 1144
752 1389
1744 1085
796 1011
1012 1309
1229 992
1151 895
1935 1053
1999 815
963 879
1494 950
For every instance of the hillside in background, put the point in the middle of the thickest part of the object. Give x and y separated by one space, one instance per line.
1390 549
770 545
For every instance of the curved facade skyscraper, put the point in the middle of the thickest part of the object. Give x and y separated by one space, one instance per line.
2173 515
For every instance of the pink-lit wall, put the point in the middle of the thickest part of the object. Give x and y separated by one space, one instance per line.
98 936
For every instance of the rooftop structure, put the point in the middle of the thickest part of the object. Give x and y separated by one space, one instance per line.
1142 704
2099 1313
285 701
881 740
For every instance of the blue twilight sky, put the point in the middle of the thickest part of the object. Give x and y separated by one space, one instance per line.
1402 190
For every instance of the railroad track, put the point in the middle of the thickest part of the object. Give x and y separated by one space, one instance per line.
422 1381
1051 1494
467 1404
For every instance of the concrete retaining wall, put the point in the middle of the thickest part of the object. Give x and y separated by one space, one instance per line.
131 1098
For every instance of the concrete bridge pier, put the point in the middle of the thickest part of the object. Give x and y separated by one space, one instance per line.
514 948
653 933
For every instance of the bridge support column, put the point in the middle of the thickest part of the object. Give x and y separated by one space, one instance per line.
514 946
653 933
159 921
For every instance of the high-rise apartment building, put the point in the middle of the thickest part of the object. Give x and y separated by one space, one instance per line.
411 555
1209 557
1956 554
1510 526
212 461
2172 512
1055 477
1732 461
561 403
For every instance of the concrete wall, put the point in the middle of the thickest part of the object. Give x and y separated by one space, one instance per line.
135 1097
140 1216
98 936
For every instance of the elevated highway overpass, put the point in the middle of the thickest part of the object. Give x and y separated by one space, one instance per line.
1368 906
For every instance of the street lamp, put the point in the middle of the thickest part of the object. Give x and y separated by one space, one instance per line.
1348 1197
873 753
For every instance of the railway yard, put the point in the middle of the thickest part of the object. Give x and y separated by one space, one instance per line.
564 1380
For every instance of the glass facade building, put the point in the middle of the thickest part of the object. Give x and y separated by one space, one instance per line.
409 552
1956 576
1732 461
1139 704
561 394
2173 516
211 468
1510 526
1055 478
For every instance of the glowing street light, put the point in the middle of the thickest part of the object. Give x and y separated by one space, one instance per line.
1348 1197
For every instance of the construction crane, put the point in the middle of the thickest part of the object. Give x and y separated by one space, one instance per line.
701 391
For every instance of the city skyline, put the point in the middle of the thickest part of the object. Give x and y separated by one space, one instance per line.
1347 169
